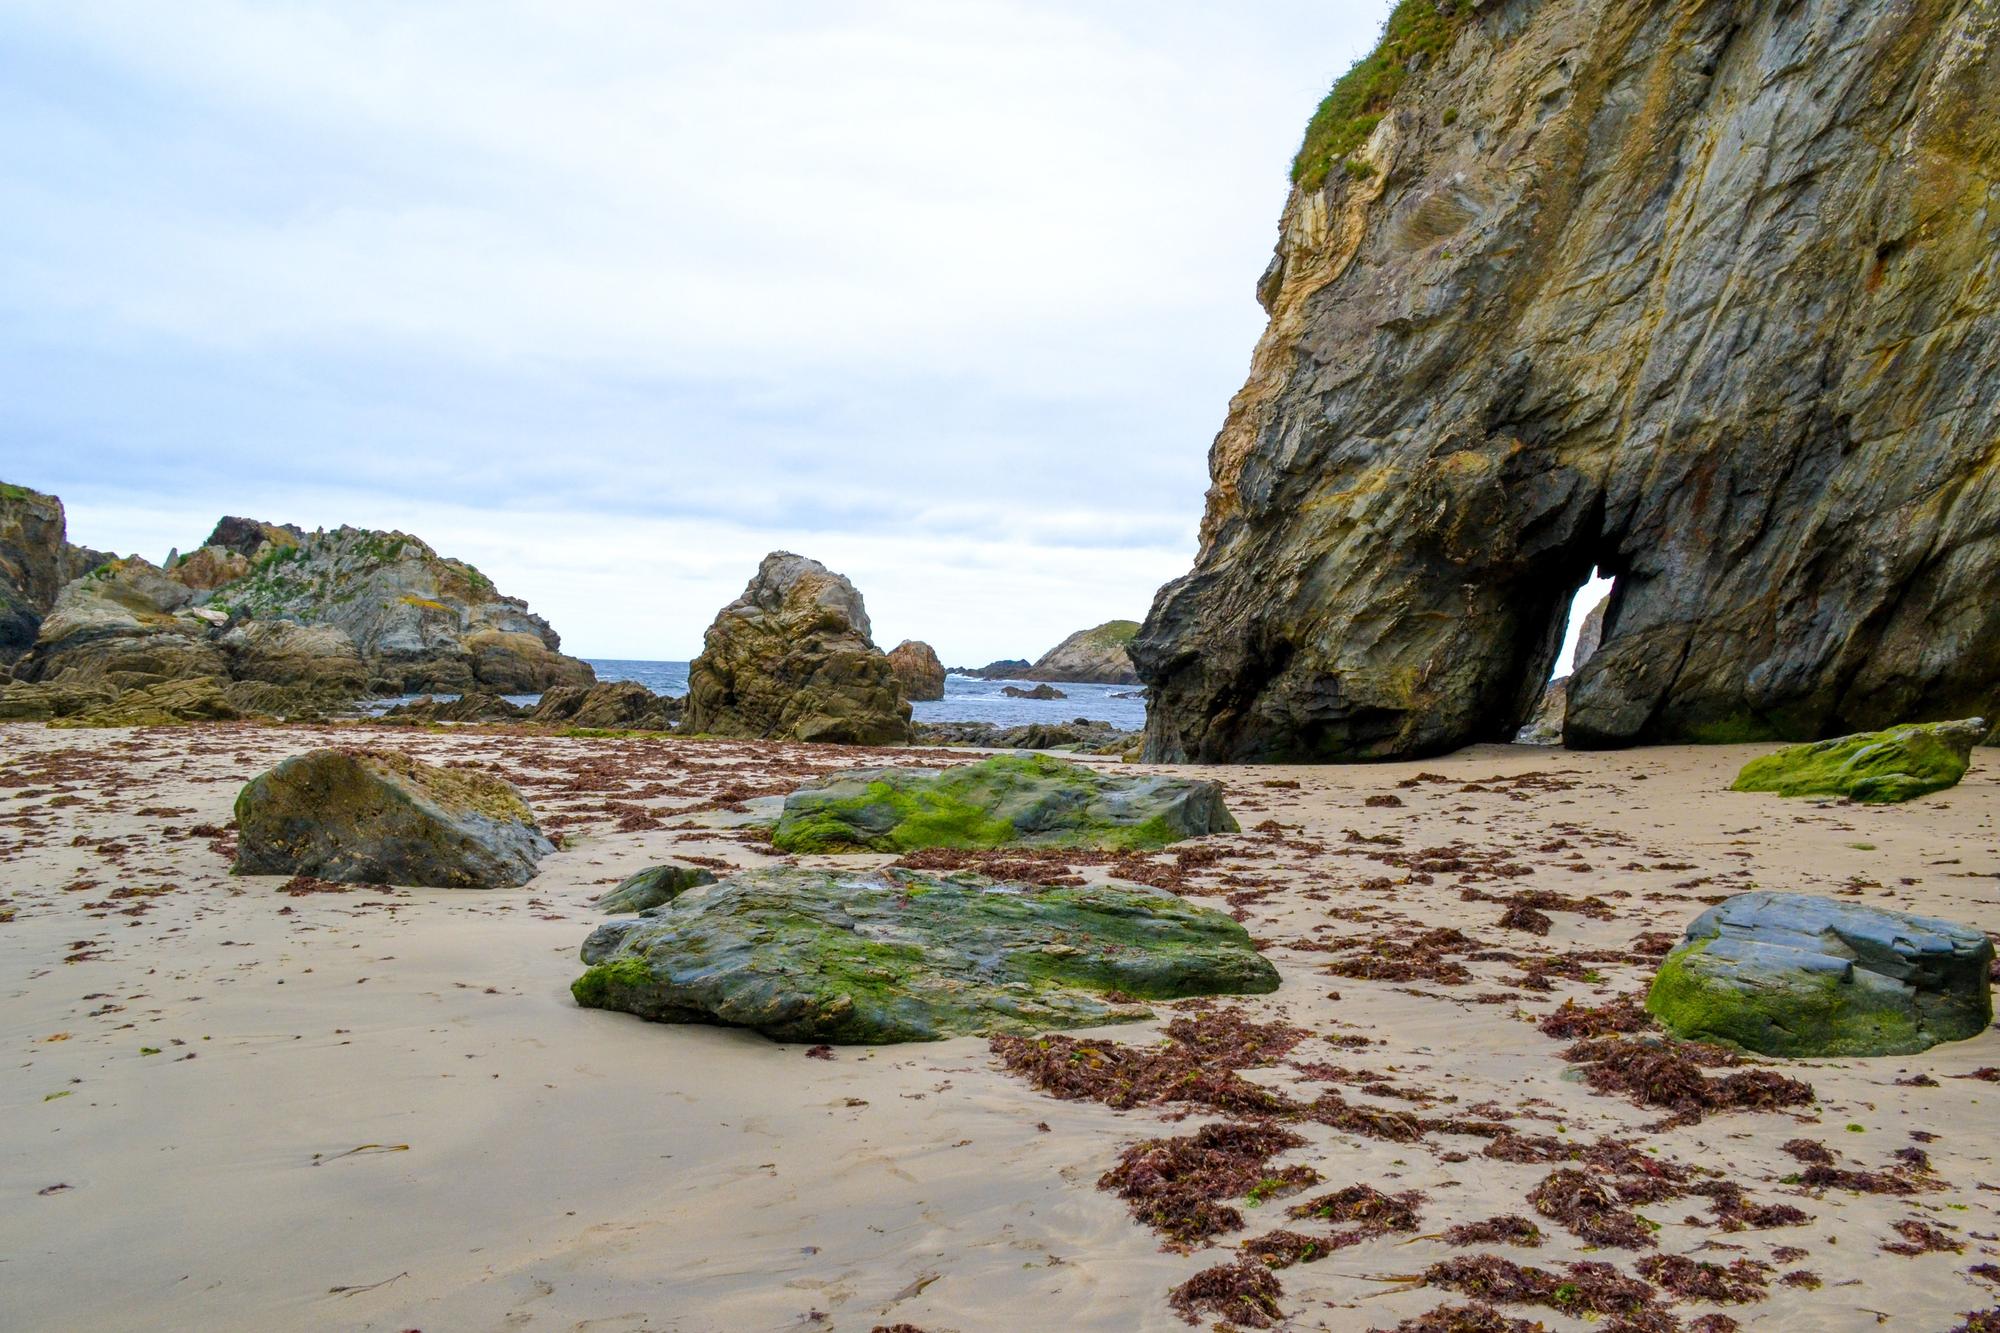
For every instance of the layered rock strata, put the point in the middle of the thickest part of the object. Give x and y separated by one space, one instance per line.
1699 292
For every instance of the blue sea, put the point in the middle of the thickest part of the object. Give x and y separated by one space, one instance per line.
966 698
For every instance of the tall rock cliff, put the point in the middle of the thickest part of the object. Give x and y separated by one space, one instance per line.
1702 292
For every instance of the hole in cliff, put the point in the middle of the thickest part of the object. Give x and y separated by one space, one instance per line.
1594 592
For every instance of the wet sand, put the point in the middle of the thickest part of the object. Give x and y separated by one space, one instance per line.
230 1108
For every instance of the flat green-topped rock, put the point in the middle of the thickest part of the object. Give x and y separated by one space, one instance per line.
1895 764
1792 974
1009 799
901 955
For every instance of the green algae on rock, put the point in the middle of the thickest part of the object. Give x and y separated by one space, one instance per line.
1875 766
1008 799
900 955
1791 974
651 887
376 816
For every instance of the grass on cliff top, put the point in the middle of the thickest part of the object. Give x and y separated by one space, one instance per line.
1355 106
1114 631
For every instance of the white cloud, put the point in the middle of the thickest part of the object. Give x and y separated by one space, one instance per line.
957 289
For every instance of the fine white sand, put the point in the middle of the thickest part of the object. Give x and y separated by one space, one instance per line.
228 1108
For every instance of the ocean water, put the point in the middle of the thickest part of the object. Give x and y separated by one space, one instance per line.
966 698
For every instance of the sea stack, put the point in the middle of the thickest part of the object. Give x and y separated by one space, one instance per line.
1700 295
791 659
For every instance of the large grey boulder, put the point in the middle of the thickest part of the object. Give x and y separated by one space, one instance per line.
1008 799
380 817
1797 975
900 955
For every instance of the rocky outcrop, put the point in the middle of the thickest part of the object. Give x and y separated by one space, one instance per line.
36 560
1007 668
1007 800
474 707
1696 291
899 955
380 817
422 622
917 670
325 617
612 705
1794 975
1042 691
1095 656
126 624
791 659
1875 767
251 537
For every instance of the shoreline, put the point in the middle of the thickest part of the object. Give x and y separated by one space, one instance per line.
571 1168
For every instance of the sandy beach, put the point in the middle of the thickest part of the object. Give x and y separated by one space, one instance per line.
234 1108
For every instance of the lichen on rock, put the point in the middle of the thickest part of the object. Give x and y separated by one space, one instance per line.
1876 767
898 955
379 816
1007 799
1790 974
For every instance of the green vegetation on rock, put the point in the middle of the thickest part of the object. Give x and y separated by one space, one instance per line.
1003 800
1417 30
1795 975
897 955
1876 767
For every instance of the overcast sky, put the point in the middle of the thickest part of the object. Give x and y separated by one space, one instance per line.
612 298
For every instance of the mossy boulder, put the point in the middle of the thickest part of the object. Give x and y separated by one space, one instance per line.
1008 799
1791 974
1877 767
899 955
652 887
362 816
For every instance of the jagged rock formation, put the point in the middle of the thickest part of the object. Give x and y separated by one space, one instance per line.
326 616
1095 656
791 659
1701 292
36 560
917 670
422 621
